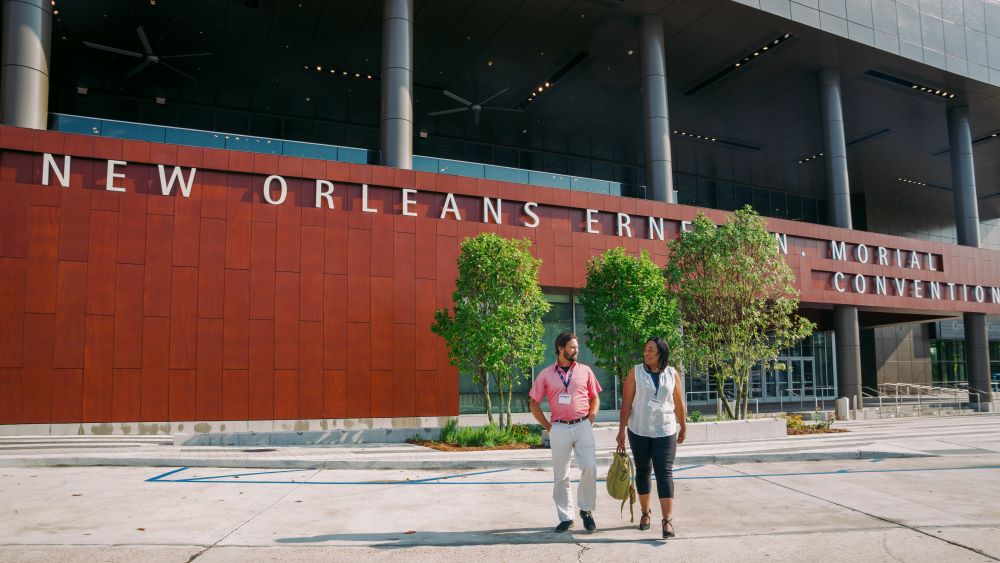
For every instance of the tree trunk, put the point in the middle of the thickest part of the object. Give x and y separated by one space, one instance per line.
488 403
510 398
720 385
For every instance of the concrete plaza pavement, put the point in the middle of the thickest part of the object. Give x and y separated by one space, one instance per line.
904 509
909 437
941 505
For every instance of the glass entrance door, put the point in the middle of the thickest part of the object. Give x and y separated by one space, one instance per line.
798 379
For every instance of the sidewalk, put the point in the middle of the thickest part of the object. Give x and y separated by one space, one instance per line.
917 437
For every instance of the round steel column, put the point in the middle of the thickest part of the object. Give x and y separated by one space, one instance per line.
396 130
838 186
24 78
963 180
655 116
838 189
845 326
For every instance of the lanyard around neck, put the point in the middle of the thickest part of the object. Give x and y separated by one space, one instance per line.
569 375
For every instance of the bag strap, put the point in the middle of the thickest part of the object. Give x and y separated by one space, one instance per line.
631 482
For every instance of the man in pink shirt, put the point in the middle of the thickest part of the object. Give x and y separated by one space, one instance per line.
572 391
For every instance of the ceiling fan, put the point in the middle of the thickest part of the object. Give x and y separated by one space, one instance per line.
476 109
150 57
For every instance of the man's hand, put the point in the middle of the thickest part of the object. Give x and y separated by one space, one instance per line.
591 417
547 426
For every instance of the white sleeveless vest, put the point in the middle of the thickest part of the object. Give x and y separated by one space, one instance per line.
658 421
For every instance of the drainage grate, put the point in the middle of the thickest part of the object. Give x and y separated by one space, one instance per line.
259 450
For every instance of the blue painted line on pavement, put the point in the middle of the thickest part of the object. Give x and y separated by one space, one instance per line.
212 479
443 480
167 474
246 474
688 467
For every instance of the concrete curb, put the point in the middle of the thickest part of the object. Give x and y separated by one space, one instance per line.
603 459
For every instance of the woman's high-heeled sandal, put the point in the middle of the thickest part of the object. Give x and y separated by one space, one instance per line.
666 533
646 515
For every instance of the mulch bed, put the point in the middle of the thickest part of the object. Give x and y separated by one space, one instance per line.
445 447
809 430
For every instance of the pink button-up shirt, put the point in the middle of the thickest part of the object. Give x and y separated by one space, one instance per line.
583 387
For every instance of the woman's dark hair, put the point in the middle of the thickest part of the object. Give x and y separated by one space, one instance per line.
664 350
563 339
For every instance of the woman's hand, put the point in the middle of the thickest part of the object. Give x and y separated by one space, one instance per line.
621 439
682 433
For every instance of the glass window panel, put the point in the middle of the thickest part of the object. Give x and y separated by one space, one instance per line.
507 174
588 185
300 130
503 156
74 124
579 167
194 138
357 156
478 152
743 196
134 131
425 164
794 207
309 150
727 200
778 208
549 180
761 201
530 160
231 121
266 126
687 189
809 210
253 144
706 194
602 171
459 168
555 163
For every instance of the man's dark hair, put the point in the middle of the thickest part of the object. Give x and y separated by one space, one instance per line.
664 349
563 339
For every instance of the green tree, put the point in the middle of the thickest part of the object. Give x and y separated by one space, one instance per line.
737 299
496 325
626 302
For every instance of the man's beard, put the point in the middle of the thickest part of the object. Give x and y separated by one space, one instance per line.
569 358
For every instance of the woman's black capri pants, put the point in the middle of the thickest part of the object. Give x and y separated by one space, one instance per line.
656 454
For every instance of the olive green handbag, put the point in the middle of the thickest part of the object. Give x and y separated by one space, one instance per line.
621 480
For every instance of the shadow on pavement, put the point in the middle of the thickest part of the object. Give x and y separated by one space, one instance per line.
475 537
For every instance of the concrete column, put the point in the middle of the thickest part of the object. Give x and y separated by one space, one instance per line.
838 189
655 116
845 326
963 180
24 78
396 128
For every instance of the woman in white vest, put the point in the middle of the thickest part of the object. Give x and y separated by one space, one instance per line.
654 413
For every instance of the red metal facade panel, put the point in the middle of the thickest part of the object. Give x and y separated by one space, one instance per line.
135 306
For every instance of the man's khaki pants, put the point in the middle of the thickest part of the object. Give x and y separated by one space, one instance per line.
578 438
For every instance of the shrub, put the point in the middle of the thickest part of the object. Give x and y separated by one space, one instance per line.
489 436
695 416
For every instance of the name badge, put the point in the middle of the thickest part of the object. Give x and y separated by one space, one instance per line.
655 403
564 398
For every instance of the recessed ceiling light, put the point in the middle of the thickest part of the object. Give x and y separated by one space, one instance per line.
630 51
739 63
